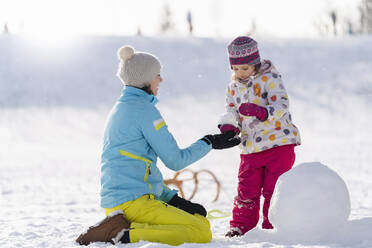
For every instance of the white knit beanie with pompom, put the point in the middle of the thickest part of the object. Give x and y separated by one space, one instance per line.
137 68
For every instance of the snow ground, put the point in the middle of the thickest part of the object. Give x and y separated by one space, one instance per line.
54 101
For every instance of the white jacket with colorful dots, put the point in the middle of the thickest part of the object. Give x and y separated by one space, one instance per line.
267 90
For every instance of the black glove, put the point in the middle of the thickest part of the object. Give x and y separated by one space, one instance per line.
223 140
187 206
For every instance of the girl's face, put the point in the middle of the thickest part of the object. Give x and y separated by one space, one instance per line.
243 72
154 84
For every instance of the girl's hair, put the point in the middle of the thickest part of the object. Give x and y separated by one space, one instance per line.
257 68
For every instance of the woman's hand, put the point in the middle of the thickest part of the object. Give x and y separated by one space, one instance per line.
223 140
187 206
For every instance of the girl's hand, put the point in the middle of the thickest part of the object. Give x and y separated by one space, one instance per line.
228 127
251 109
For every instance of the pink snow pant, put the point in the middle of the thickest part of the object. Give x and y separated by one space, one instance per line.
258 174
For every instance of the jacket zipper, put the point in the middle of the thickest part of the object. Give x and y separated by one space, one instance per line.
148 162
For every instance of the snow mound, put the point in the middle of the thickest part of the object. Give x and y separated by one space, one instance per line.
311 200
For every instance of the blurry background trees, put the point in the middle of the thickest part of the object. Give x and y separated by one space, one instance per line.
336 24
208 18
166 22
365 10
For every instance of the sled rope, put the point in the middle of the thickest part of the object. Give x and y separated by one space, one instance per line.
178 183
222 214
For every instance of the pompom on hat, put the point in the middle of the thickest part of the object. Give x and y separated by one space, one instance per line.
243 50
137 69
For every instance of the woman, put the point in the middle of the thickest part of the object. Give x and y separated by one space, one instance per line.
137 203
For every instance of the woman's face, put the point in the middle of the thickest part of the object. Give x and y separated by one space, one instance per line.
243 72
154 84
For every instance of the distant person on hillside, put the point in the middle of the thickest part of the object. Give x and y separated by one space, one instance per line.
6 29
137 203
257 108
189 21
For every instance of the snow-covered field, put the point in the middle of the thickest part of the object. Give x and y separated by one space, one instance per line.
54 100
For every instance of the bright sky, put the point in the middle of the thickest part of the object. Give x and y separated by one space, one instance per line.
217 18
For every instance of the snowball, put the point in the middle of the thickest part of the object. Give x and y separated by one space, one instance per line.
310 201
125 52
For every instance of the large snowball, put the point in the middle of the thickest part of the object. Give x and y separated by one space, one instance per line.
310 201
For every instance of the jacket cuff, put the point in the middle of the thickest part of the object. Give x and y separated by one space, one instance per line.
206 140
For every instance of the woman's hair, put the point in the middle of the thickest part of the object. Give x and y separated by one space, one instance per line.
257 68
147 88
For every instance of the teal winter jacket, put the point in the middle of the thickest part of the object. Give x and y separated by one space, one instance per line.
135 136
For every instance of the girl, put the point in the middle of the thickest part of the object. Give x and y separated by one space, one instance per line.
138 205
258 108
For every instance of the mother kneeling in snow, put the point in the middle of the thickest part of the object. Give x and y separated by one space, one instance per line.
137 203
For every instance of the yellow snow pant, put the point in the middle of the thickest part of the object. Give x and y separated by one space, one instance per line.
156 221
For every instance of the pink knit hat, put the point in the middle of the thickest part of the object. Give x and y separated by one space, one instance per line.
243 50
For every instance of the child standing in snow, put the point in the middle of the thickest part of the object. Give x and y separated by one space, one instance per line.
257 107
137 203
